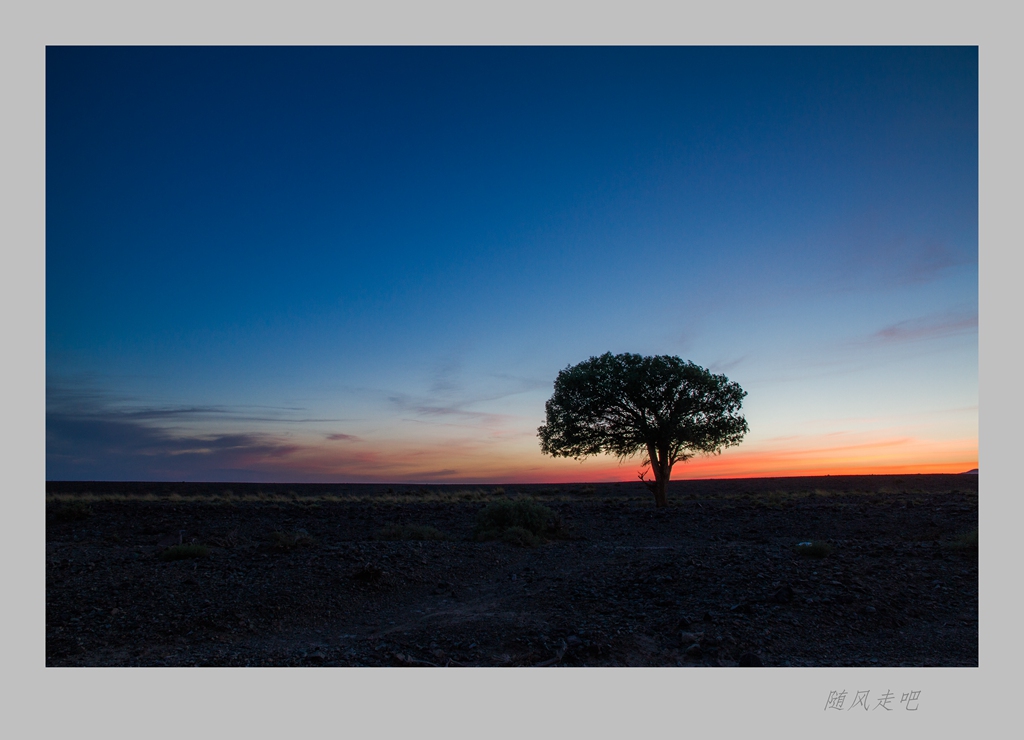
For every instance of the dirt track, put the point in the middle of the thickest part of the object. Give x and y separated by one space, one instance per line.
713 580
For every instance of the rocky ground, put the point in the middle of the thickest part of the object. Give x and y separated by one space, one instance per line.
300 575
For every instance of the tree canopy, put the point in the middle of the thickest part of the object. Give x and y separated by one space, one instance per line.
661 406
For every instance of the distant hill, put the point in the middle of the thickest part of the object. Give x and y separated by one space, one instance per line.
973 471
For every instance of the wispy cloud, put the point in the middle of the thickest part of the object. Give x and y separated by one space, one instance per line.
454 412
436 474
724 366
927 262
867 250
925 327
92 433
446 378
88 400
97 435
94 446
433 408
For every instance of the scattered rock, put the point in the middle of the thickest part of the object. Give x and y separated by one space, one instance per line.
750 660
783 595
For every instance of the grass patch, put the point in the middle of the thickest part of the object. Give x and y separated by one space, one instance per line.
521 522
410 532
184 552
816 549
966 542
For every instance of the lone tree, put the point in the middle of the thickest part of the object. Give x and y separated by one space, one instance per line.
628 404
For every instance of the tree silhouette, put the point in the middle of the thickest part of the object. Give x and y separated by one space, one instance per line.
627 404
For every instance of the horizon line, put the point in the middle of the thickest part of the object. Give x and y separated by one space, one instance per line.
973 471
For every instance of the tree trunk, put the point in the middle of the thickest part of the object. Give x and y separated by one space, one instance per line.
660 499
662 469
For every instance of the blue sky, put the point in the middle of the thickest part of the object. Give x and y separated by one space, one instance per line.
361 264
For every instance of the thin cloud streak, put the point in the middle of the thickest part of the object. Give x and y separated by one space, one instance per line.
927 327
69 399
81 448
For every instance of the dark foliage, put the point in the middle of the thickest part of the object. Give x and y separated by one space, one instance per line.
627 404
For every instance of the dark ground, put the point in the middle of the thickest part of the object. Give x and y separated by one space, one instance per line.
296 575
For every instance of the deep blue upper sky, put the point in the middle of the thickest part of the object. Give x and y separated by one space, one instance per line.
253 250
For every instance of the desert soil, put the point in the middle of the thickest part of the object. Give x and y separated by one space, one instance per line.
299 576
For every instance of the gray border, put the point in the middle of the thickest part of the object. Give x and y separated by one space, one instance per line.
608 703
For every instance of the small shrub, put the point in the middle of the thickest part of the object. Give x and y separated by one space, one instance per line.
183 552
410 532
531 516
814 549
526 517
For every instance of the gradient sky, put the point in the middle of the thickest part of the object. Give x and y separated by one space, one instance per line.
369 264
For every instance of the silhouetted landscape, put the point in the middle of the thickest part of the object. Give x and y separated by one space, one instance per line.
811 571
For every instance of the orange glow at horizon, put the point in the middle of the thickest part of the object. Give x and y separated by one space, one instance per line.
476 462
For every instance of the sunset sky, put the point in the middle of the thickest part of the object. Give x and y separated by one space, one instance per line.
364 264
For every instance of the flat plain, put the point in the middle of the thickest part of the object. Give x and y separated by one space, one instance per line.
231 574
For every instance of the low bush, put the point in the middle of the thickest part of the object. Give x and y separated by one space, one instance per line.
183 552
518 522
